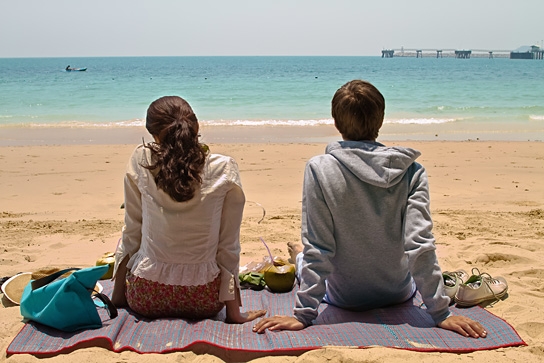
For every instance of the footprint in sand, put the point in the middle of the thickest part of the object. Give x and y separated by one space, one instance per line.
57 246
500 258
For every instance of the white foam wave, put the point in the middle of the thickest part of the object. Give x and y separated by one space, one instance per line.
536 117
140 122
82 124
420 121
267 122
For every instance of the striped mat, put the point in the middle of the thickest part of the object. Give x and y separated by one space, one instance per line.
404 326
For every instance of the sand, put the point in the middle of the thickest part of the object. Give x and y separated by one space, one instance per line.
60 206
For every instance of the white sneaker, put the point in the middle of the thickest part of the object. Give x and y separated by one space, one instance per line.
480 287
452 281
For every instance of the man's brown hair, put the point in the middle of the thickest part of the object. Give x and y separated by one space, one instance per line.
358 110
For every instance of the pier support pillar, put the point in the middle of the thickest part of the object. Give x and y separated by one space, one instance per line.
388 53
463 54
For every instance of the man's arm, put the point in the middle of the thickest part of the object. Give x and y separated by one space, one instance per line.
420 248
319 248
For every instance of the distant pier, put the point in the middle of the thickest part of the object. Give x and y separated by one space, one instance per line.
533 52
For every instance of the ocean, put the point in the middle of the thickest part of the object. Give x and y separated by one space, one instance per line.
115 92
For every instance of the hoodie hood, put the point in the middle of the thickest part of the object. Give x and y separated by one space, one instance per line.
372 162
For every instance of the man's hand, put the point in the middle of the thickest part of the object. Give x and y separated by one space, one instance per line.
278 322
464 326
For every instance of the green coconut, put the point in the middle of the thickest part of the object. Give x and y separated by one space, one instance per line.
280 278
107 259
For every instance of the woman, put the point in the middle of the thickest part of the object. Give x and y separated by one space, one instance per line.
180 249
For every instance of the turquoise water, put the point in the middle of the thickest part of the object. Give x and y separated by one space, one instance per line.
268 90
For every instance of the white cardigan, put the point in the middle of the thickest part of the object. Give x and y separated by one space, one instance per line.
184 243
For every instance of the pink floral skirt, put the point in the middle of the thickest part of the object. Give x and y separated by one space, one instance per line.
155 300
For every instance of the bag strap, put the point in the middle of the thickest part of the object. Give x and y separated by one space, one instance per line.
112 310
36 284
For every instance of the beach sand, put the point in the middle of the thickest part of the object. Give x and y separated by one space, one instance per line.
60 206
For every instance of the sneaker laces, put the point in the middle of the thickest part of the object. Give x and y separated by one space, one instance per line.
487 279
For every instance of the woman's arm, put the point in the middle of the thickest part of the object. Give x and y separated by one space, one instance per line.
228 258
132 232
228 251
118 297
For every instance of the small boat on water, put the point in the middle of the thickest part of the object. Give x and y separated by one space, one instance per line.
70 69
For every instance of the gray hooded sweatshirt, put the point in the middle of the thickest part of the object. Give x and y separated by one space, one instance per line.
367 231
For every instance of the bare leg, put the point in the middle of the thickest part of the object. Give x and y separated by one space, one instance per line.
294 249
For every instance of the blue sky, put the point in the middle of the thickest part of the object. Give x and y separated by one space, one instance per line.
61 28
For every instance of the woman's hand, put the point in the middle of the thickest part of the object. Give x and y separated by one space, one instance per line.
464 326
245 317
234 316
278 322
118 297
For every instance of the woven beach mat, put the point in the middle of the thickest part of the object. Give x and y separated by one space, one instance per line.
404 326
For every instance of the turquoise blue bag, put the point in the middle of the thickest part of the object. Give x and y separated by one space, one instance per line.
66 304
